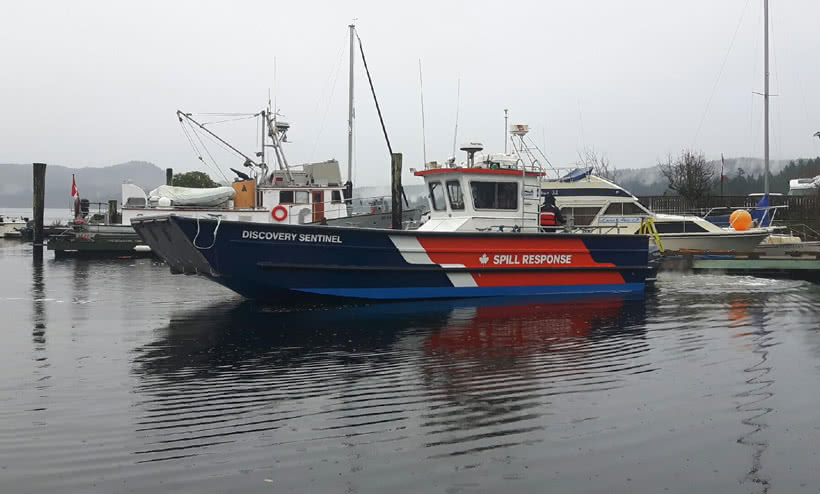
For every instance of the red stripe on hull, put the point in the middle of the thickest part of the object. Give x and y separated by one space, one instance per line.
520 252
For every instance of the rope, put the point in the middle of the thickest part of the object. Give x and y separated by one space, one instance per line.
216 166
722 66
218 221
378 109
248 117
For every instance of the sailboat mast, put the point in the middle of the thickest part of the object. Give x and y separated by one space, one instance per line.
350 108
766 97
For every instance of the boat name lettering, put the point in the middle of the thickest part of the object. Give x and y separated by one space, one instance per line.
509 259
292 237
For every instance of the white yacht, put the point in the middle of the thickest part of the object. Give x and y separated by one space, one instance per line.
589 202
11 225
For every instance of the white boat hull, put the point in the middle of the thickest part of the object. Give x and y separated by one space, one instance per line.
785 249
713 241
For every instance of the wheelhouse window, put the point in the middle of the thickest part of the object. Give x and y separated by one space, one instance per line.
437 196
495 195
455 194
302 197
335 197
285 197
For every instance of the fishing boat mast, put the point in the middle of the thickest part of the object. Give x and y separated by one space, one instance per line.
350 111
765 98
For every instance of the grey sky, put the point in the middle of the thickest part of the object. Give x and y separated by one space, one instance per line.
98 82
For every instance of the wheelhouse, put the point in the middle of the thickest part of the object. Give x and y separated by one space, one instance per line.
481 198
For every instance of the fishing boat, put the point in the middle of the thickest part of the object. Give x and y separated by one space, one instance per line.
270 189
483 238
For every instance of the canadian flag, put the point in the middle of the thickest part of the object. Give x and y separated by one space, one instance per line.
75 192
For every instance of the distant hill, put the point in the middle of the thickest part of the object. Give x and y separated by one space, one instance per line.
95 184
651 182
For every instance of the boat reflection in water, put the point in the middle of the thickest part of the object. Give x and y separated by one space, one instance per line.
432 378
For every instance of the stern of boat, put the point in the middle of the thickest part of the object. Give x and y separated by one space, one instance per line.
169 242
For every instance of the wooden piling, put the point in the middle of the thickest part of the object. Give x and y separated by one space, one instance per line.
38 202
395 190
112 212
169 176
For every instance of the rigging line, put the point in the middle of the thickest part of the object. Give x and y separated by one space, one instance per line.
340 57
327 108
720 73
543 155
224 114
230 120
208 152
190 141
378 109
216 141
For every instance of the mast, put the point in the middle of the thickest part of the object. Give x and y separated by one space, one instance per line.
350 109
505 129
765 98
423 135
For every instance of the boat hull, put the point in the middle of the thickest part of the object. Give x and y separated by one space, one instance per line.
273 262
712 241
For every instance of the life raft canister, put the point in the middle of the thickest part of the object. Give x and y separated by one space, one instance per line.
279 213
547 218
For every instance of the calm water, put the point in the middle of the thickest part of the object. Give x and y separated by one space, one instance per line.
117 377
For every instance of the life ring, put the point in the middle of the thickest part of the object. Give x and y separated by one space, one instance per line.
279 213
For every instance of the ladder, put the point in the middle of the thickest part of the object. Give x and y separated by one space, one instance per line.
648 228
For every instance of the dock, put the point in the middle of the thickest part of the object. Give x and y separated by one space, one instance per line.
797 265
89 240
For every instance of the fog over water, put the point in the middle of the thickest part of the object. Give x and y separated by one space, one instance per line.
97 83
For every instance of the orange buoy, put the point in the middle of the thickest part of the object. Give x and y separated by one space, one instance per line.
740 220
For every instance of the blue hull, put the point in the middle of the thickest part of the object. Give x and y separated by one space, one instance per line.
275 262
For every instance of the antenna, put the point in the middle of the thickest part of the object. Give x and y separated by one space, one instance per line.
423 135
506 116
455 132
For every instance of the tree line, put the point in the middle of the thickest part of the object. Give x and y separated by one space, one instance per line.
690 176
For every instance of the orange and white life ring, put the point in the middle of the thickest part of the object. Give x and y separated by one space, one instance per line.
279 213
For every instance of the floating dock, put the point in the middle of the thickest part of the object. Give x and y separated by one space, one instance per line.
84 240
798 265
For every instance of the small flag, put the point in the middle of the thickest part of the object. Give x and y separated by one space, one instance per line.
75 192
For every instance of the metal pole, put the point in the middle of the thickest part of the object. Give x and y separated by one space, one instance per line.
350 110
169 176
455 131
423 135
506 116
766 97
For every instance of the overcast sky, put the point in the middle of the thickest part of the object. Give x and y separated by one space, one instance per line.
95 83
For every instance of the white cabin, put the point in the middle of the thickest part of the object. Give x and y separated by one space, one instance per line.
311 195
482 197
